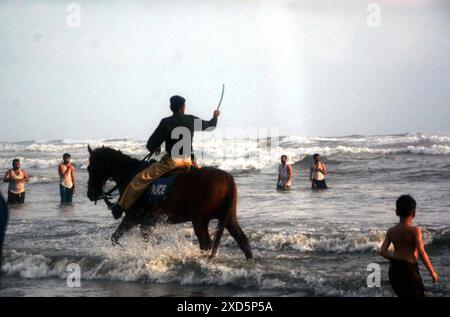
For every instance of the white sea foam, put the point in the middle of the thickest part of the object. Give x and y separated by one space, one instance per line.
332 243
37 163
172 255
435 149
237 154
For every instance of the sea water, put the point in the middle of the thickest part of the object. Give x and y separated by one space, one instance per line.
316 243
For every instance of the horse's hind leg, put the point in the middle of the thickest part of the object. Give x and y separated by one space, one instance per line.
236 232
202 232
217 237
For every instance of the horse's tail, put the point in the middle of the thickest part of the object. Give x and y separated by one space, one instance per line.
226 211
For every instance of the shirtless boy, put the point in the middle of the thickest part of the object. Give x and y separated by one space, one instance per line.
408 246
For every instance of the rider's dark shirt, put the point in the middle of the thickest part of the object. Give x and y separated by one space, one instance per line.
163 132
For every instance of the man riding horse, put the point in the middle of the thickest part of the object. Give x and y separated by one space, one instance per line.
177 131
195 195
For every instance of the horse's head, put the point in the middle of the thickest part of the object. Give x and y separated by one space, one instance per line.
99 172
106 163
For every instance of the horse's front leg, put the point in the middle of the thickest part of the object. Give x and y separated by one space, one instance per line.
127 223
148 222
145 231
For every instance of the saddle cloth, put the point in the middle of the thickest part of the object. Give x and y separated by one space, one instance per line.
160 189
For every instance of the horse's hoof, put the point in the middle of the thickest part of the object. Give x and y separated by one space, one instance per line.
212 256
248 255
115 241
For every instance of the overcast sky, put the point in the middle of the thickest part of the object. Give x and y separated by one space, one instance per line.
306 67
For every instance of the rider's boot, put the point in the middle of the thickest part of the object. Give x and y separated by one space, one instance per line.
117 211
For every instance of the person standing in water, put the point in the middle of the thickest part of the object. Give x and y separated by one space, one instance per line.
66 173
317 173
284 174
16 179
404 273
3 223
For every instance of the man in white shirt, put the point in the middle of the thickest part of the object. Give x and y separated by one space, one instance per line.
66 173
16 179
284 174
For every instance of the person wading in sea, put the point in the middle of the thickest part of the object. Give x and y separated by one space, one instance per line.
3 222
16 179
66 173
284 174
407 239
317 173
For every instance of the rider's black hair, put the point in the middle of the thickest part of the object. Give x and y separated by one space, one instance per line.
176 102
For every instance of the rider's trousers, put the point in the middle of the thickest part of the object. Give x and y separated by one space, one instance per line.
141 181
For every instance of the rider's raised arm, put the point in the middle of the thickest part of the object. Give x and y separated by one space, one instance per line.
157 138
206 124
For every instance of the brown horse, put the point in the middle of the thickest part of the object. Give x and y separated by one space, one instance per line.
198 195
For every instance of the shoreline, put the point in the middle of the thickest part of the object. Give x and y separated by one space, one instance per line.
11 286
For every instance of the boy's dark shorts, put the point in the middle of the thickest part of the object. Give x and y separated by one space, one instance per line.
405 279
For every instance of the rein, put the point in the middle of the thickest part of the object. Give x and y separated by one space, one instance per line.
106 196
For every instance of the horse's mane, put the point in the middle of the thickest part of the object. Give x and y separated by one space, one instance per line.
110 154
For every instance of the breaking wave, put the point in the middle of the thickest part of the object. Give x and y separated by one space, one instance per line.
172 255
239 154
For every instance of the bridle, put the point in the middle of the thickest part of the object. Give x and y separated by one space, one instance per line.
107 196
